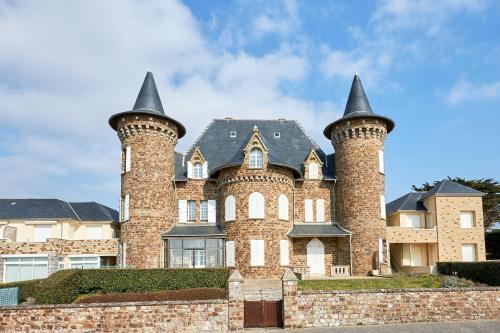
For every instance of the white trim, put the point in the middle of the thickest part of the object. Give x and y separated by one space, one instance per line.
40 222
23 255
128 158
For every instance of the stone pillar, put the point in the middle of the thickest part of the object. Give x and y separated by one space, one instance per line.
53 262
236 301
289 281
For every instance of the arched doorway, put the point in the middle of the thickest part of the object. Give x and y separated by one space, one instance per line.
316 257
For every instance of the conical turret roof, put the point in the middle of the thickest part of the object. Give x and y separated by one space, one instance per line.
148 102
358 106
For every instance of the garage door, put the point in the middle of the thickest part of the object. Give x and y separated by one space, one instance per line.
263 314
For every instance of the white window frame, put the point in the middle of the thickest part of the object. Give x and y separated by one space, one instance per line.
257 253
283 207
198 170
81 262
256 206
383 214
410 221
284 253
256 159
191 214
474 251
18 256
313 170
320 210
308 210
230 254
464 223
204 211
381 166
230 208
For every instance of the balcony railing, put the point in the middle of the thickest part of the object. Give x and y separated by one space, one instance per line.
340 270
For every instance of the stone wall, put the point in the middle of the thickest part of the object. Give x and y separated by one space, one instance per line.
149 184
62 247
167 316
303 309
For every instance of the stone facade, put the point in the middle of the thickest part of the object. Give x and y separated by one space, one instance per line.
360 184
304 309
168 316
149 185
62 247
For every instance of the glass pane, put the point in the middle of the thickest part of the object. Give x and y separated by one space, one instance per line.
40 259
175 257
199 258
212 243
191 211
204 211
25 272
220 261
175 243
212 258
11 273
187 258
194 244
40 271
26 260
11 260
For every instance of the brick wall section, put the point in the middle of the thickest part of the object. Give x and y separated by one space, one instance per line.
332 248
313 189
62 247
168 316
359 186
347 308
270 182
149 183
450 235
409 235
198 190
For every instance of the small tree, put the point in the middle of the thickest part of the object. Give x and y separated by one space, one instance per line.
491 201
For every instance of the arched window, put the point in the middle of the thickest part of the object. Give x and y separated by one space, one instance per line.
256 158
313 170
283 207
256 206
198 171
230 208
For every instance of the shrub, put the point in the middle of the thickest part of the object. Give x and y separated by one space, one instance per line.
65 286
456 282
487 272
27 289
492 242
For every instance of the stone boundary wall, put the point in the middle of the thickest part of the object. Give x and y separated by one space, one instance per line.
305 309
147 317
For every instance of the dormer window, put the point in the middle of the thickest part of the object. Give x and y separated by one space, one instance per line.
232 134
256 160
277 135
198 171
313 170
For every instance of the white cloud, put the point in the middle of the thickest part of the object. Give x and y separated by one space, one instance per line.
67 66
463 91
282 20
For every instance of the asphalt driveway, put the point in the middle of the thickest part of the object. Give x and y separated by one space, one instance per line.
479 326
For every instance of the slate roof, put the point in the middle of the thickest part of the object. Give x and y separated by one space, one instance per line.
20 209
317 230
447 187
357 106
148 102
195 231
414 200
289 150
410 201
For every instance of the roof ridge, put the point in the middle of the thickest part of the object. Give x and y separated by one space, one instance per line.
199 137
74 212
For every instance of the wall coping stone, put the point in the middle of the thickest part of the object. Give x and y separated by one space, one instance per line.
393 291
110 305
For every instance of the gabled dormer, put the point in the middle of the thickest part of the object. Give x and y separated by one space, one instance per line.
313 166
197 166
256 151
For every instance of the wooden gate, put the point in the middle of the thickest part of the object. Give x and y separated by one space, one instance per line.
263 314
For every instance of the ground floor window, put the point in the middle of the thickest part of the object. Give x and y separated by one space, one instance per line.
25 268
195 253
84 262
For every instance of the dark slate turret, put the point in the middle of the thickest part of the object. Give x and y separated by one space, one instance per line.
148 102
357 106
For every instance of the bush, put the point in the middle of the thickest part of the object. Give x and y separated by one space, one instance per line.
492 242
27 289
487 272
67 285
456 282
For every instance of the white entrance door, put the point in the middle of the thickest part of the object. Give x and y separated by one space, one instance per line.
316 257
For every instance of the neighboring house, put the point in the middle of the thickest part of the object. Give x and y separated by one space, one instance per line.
442 224
41 236
261 196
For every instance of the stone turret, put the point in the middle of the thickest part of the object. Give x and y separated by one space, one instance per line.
358 138
148 139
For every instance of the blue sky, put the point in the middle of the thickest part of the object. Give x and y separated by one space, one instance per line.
65 67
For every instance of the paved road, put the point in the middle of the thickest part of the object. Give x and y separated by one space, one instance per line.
480 326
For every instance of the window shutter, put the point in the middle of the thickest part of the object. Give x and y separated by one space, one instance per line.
466 219
189 170
230 254
120 209
182 211
381 161
320 210
382 207
283 207
257 252
212 211
256 206
380 250
308 208
126 213
122 161
204 172
284 261
128 158
230 209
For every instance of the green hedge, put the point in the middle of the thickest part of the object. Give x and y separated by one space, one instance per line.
67 285
487 272
26 288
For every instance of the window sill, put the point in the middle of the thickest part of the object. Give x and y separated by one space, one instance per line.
257 266
230 221
256 218
284 220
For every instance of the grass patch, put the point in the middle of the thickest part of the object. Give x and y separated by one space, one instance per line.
424 281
